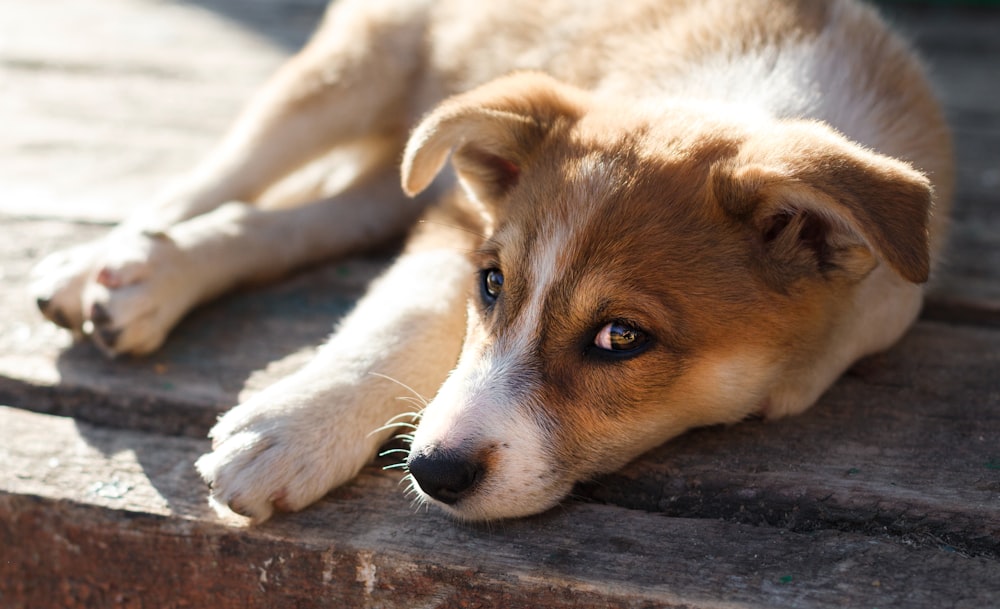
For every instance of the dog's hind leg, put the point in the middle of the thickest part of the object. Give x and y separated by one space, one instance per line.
346 86
349 83
290 444
149 281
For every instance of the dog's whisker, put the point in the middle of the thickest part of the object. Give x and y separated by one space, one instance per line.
416 498
411 415
393 451
416 393
419 412
389 426
392 423
395 421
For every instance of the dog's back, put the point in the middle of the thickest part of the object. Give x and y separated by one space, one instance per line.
831 61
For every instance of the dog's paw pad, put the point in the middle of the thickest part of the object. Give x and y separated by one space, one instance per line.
132 261
257 514
109 278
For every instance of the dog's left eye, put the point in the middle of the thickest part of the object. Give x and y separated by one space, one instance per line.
621 338
492 283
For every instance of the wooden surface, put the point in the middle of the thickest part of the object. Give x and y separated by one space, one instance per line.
886 494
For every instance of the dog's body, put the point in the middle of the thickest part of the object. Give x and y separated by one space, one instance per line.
686 213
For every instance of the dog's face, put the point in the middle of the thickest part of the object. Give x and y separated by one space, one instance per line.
644 272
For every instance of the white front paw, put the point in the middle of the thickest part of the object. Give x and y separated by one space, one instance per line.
142 285
280 453
126 291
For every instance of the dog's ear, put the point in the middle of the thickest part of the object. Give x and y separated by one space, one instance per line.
493 131
818 203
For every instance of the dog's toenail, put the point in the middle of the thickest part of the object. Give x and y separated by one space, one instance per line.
59 318
237 508
99 314
43 303
158 235
109 336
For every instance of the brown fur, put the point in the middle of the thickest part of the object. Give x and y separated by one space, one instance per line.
717 239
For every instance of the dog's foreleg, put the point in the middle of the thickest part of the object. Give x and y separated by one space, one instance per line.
290 444
349 83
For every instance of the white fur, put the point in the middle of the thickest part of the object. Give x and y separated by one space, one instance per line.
314 430
478 405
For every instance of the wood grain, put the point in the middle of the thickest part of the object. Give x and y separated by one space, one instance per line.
886 494
81 503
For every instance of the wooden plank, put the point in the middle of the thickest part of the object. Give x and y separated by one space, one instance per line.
962 51
907 445
958 45
78 503
887 494
106 101
967 287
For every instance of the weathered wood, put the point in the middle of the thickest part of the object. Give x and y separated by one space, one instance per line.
104 102
82 502
886 494
962 51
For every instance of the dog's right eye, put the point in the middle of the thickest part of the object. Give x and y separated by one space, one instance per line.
621 339
491 282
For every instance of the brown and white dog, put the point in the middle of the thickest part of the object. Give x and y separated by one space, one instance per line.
660 214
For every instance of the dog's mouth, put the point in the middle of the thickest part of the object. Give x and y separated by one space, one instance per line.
482 462
486 480
483 485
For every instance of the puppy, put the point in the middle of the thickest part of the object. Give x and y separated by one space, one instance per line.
658 215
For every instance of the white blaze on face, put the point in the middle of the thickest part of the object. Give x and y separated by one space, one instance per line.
488 404
483 407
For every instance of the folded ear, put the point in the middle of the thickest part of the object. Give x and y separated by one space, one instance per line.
493 130
817 202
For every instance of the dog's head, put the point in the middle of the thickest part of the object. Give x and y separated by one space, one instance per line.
645 271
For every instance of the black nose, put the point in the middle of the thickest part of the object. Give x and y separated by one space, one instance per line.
445 475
